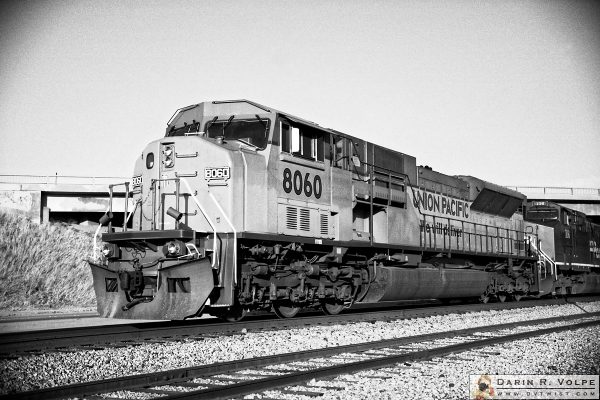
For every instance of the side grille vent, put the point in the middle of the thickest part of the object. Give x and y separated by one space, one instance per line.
291 218
324 224
304 219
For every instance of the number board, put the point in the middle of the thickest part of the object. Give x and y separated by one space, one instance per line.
217 173
136 181
302 183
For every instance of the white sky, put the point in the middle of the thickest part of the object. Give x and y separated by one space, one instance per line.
508 91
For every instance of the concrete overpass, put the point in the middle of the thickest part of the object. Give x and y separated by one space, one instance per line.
85 198
586 200
74 199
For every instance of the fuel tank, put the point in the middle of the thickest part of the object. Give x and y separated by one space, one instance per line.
585 284
394 283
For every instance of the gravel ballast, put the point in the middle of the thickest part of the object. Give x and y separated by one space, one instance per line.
569 352
574 352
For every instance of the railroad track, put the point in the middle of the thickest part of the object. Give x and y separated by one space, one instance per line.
257 375
49 317
97 337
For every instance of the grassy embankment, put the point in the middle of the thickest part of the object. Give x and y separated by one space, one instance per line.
43 266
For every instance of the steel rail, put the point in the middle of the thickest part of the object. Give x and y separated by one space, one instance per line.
172 377
36 341
300 377
47 317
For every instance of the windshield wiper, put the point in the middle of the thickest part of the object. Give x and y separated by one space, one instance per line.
211 122
248 143
261 120
228 123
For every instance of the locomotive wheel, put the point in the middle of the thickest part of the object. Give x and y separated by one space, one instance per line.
332 308
285 310
234 314
501 298
517 297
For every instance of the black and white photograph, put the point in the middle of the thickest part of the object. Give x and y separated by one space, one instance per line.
299 200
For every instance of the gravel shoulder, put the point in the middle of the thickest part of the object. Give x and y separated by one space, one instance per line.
35 371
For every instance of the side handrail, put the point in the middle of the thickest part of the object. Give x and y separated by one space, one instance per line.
544 256
210 222
109 210
234 235
95 251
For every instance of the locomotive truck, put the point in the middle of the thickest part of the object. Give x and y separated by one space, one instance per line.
243 207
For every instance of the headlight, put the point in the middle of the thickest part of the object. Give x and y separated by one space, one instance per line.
174 248
111 251
168 154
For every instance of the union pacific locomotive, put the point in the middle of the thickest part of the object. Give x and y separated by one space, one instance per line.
242 207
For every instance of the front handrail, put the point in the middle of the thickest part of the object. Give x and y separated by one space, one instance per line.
234 235
110 190
153 190
203 211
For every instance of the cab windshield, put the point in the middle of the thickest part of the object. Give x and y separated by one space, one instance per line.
542 214
250 131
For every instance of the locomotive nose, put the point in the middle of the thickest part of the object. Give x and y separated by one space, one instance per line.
163 268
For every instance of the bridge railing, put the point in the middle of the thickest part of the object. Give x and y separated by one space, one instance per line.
61 179
555 190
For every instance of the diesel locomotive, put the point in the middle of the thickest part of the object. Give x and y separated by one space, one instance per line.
243 207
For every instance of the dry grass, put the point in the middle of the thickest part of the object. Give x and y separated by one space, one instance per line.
43 266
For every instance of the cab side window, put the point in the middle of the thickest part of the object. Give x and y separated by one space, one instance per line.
286 144
340 152
566 218
349 154
302 141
